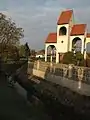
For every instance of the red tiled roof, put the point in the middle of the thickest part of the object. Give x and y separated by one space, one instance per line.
88 35
52 38
78 29
65 17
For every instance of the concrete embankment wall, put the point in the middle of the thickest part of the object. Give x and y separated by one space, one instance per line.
63 75
65 91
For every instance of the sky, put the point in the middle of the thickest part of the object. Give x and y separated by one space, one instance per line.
39 17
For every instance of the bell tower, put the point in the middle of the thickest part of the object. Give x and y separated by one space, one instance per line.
64 25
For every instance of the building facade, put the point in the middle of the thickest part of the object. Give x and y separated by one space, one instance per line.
68 37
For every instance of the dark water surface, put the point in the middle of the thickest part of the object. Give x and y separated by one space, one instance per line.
14 107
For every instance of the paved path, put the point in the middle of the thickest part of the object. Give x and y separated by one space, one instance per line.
13 106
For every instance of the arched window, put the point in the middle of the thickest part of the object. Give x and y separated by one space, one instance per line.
63 31
76 44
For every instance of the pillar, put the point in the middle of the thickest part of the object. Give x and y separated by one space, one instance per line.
51 64
85 51
80 77
70 68
45 53
38 64
57 57
51 56
82 48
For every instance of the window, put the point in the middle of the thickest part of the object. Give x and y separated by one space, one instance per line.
62 31
62 41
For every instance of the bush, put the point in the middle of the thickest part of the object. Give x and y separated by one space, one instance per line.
67 58
70 58
80 59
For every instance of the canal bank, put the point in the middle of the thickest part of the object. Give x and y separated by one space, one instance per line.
58 101
13 104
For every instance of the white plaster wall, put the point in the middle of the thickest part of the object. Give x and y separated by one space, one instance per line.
62 47
71 23
82 37
41 56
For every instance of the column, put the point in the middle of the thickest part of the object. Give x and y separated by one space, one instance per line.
70 68
45 53
51 56
51 61
38 64
85 51
82 47
57 57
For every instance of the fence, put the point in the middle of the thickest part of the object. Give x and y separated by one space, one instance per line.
67 71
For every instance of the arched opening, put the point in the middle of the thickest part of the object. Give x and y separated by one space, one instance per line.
51 51
63 31
76 44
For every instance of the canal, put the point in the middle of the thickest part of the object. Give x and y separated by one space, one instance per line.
49 105
14 105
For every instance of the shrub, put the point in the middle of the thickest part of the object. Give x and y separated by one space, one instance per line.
71 58
79 59
67 58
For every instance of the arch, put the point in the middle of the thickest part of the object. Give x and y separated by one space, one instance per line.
76 44
51 51
62 31
51 48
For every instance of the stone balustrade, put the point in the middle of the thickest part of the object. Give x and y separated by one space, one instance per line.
68 71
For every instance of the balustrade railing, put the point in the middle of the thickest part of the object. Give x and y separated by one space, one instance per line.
67 71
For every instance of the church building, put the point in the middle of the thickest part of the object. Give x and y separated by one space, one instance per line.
69 36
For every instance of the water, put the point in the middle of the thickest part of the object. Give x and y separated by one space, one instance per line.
14 105
48 109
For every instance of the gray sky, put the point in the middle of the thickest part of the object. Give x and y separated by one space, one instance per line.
39 17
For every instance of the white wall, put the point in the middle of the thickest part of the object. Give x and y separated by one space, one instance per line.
71 23
62 47
41 56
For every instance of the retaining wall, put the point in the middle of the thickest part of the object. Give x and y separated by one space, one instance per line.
70 76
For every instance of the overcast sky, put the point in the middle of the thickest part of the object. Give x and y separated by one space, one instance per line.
39 17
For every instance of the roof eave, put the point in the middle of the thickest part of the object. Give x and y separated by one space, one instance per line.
76 34
62 23
50 42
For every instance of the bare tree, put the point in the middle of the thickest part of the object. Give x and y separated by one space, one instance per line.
10 34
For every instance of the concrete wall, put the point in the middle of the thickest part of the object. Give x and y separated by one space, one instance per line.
72 77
